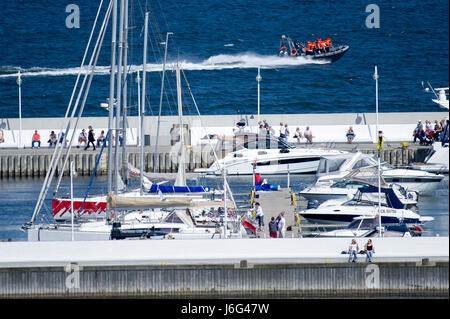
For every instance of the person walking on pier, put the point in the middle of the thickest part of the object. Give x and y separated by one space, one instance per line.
259 216
91 138
36 139
369 250
353 251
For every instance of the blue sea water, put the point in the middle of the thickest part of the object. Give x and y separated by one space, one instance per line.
26 191
220 44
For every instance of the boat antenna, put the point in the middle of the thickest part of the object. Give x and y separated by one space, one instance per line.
379 146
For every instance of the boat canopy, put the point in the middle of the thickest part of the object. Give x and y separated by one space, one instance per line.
392 200
177 189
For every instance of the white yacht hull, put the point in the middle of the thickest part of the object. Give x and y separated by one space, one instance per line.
271 161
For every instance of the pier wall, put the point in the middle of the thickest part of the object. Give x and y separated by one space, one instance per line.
35 163
385 279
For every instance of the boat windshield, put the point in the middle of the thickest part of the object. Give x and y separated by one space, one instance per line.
266 142
349 184
366 223
367 199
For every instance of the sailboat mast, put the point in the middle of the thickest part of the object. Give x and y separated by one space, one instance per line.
181 177
375 76
125 86
111 93
160 100
118 98
144 67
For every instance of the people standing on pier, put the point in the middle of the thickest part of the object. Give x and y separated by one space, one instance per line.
308 135
286 132
350 135
52 139
36 138
259 216
282 131
369 250
281 225
353 251
82 138
272 228
91 138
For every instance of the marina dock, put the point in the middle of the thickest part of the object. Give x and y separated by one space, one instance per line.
227 267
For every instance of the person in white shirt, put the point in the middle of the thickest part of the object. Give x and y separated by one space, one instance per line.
308 135
259 215
353 251
282 131
281 226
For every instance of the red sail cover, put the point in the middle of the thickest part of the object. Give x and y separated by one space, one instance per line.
91 209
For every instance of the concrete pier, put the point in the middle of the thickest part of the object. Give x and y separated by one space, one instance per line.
402 267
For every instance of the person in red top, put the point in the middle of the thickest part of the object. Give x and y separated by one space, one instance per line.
36 139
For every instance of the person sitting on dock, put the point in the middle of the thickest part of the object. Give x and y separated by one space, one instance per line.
62 138
308 135
82 138
298 135
418 132
369 250
36 138
101 138
437 130
350 135
52 139
353 251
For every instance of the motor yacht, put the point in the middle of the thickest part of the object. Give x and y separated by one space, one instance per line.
364 203
334 168
268 155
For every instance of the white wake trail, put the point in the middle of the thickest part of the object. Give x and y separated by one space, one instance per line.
217 62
